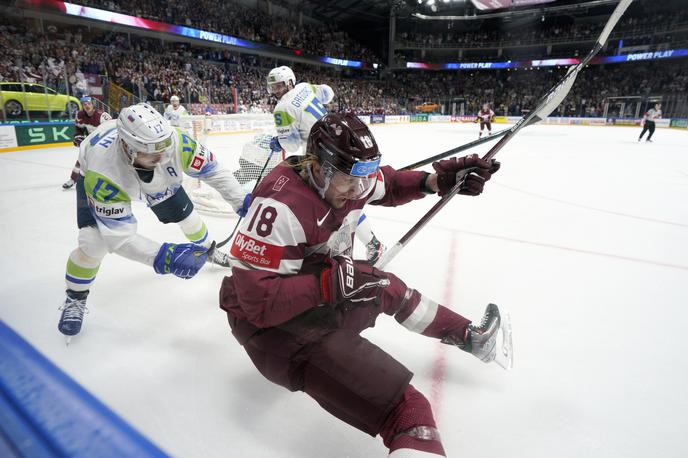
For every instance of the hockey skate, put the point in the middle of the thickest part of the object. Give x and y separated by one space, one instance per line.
72 313
68 184
489 341
219 258
374 250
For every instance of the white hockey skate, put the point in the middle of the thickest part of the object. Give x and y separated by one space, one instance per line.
68 184
489 341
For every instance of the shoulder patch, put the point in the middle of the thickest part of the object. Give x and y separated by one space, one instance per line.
279 183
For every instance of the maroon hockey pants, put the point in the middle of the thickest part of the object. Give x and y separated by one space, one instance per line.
322 354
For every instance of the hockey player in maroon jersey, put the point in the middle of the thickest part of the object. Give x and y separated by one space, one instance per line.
485 117
86 122
297 301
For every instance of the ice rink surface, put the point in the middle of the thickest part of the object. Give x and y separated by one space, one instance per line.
583 236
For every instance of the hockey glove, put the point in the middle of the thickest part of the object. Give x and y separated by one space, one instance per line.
275 145
78 139
345 280
183 260
244 206
475 170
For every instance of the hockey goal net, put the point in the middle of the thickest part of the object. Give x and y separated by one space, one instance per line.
245 150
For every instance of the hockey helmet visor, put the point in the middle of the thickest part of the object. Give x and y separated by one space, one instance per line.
354 182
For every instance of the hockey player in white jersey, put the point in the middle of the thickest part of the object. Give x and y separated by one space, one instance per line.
139 156
299 106
175 111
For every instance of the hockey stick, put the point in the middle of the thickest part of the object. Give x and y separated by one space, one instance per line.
546 105
456 150
214 246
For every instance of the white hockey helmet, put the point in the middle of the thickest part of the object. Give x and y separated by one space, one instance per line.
144 130
174 98
281 74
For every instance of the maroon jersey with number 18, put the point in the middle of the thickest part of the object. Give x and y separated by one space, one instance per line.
288 233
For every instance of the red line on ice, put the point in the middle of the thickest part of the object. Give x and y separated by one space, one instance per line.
440 366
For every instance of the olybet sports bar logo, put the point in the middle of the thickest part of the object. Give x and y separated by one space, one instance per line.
255 252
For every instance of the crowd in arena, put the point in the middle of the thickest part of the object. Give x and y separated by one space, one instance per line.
646 29
232 18
147 68
62 57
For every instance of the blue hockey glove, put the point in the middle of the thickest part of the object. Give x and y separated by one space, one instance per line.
275 145
244 207
183 260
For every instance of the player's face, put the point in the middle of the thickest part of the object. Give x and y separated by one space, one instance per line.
148 161
175 103
88 107
278 89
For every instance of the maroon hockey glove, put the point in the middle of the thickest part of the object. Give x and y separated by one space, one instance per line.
346 280
479 171
78 139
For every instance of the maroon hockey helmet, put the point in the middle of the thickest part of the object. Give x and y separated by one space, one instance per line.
344 141
345 147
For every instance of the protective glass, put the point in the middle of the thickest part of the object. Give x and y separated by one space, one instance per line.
159 147
356 184
149 154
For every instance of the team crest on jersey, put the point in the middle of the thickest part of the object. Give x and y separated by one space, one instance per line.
279 184
197 163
